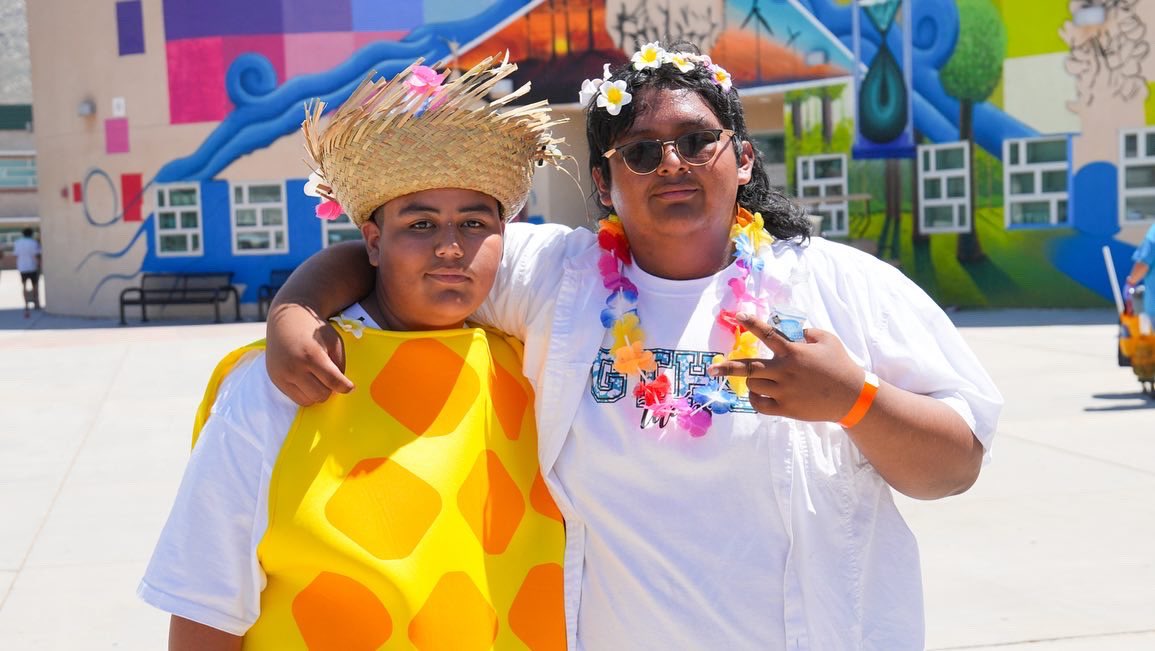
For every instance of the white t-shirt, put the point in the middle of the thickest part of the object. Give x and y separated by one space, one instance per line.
710 570
205 567
26 250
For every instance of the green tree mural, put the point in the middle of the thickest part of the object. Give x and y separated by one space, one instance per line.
970 76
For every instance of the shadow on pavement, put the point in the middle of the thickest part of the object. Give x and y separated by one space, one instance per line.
999 318
1136 400
13 319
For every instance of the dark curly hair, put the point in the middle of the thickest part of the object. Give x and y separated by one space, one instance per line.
784 219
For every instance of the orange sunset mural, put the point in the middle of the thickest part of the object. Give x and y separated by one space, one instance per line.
558 43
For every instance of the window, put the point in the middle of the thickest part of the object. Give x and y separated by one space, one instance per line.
943 191
178 220
1035 178
340 229
825 176
773 148
17 171
259 224
1137 176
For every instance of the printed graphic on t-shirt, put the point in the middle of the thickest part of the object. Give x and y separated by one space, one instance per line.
685 368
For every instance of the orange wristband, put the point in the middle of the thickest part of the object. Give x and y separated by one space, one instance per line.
862 405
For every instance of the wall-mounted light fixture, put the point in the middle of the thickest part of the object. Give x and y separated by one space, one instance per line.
85 108
1090 15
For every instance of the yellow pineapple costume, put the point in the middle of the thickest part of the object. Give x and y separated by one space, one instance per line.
410 513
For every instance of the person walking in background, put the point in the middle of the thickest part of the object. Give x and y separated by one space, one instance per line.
27 252
1144 259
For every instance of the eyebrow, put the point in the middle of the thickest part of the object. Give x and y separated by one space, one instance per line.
421 208
697 123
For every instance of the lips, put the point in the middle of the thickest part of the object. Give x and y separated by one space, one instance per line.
675 192
452 277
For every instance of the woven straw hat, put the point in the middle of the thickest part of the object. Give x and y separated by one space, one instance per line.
393 138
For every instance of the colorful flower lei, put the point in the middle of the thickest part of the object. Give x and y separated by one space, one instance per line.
613 95
695 412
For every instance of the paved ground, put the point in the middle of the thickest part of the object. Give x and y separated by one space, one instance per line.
1053 550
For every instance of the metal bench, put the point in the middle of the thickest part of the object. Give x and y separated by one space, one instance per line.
265 293
181 289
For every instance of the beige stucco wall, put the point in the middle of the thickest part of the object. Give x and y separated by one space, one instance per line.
70 146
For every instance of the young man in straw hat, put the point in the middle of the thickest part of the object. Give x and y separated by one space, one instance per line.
753 512
410 512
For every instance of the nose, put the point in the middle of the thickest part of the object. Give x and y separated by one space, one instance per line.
449 243
672 163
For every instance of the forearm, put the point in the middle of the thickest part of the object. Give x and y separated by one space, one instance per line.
1138 273
329 280
186 635
919 445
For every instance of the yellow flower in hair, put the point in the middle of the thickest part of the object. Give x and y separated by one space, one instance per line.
680 60
650 56
626 330
613 96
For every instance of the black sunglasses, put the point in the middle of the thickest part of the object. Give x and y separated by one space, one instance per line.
695 148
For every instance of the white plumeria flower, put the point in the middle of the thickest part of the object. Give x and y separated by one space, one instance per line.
680 60
721 77
355 327
588 91
650 56
606 74
315 179
613 96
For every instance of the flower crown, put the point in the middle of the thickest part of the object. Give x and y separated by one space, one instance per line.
613 95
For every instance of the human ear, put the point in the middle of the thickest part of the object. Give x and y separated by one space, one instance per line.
746 163
603 188
372 234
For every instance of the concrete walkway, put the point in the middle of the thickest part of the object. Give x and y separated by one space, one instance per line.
1053 550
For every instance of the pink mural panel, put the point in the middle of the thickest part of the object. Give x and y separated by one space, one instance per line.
316 52
361 39
196 75
272 46
116 136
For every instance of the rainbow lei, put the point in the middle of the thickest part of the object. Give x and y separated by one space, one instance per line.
694 412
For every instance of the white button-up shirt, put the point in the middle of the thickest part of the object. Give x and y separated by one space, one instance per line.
852 577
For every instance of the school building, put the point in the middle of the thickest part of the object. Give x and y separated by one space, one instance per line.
990 148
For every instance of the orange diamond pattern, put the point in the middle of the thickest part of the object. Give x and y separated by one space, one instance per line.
537 615
404 507
509 401
491 502
541 500
415 385
336 613
456 617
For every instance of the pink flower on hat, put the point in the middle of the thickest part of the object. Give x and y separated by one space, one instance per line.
425 80
329 210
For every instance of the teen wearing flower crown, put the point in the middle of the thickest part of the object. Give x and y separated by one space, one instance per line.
723 403
409 513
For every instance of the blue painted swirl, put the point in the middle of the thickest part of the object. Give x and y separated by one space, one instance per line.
265 113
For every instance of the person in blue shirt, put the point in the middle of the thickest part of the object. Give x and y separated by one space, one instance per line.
1141 272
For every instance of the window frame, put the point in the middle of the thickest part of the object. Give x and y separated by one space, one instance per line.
328 226
961 206
1146 158
1036 170
236 230
836 214
158 231
31 181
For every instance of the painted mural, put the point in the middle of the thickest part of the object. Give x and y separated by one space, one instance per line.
1068 84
